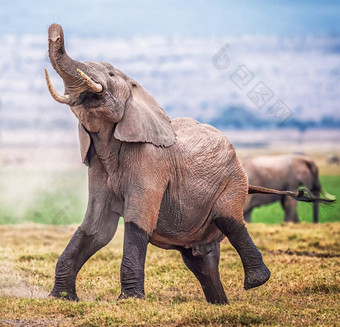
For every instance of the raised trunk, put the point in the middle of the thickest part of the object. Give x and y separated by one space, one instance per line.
62 63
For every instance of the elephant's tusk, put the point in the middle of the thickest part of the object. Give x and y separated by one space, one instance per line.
96 87
55 95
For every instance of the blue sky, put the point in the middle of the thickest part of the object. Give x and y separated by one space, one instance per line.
172 17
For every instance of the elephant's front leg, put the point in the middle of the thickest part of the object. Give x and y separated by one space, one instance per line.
256 272
132 269
290 205
98 228
84 243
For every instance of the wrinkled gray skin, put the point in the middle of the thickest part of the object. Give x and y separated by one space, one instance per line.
178 184
285 172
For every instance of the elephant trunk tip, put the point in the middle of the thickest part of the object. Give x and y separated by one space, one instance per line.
55 33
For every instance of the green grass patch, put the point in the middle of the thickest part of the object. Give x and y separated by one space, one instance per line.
46 197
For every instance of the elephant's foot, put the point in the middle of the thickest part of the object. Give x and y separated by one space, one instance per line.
219 301
70 296
256 277
126 295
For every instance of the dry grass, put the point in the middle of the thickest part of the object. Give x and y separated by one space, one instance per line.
303 290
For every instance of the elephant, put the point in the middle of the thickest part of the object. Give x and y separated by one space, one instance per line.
283 172
178 184
333 159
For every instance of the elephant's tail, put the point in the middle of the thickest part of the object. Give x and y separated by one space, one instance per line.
303 194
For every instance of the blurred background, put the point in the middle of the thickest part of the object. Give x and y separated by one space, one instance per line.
265 73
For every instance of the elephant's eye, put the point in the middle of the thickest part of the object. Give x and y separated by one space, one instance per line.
111 74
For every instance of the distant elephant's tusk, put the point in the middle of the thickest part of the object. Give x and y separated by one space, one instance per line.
55 95
96 87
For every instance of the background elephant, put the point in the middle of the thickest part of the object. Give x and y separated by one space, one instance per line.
284 172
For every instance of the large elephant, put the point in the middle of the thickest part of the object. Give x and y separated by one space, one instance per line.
178 184
283 172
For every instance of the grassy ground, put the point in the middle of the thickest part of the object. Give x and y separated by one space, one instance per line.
303 290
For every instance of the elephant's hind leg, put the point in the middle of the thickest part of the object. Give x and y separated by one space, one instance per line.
229 219
256 272
205 268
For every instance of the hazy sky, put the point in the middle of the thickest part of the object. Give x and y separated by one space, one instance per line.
172 17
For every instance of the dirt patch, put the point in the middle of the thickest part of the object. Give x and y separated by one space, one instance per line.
33 322
13 284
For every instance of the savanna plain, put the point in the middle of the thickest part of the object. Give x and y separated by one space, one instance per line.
43 202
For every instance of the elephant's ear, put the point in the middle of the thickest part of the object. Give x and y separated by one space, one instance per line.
85 143
144 120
